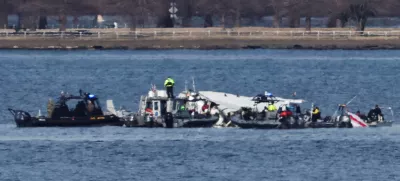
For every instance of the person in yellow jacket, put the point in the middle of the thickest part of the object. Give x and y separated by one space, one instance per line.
316 114
271 107
169 86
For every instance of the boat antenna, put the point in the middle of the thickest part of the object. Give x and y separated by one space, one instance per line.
194 85
351 100
186 88
391 111
39 113
311 111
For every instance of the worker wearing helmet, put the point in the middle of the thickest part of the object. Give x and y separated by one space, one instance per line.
169 85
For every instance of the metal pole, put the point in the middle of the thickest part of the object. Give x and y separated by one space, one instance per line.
312 107
194 85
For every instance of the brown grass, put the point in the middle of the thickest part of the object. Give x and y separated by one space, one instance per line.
198 38
231 43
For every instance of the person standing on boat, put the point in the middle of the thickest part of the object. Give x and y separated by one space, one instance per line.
50 107
271 107
169 85
378 112
62 99
298 110
90 106
316 114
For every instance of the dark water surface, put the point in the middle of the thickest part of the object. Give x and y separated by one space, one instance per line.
327 78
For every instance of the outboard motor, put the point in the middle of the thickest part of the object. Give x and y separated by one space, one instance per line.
169 120
22 118
285 123
292 122
300 121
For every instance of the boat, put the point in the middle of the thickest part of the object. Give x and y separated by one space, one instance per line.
247 112
375 120
86 112
157 110
340 119
249 117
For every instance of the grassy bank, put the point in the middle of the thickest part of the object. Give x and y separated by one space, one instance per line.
201 38
199 44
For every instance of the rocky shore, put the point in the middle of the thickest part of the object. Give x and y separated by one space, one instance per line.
203 44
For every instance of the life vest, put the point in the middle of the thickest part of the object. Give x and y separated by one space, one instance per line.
284 114
316 111
271 108
169 82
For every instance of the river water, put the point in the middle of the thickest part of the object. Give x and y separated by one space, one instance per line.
326 78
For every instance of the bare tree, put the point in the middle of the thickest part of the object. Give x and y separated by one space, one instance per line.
220 8
186 11
313 8
5 7
278 9
137 10
361 10
34 13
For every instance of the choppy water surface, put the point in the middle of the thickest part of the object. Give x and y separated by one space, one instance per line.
327 78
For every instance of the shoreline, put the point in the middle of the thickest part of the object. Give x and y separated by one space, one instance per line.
198 44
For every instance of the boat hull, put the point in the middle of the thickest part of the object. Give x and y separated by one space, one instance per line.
327 125
267 124
381 124
291 123
142 121
23 119
256 125
198 123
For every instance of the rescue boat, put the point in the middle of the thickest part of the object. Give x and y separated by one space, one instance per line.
86 112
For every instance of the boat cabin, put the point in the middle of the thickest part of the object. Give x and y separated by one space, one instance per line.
156 104
76 106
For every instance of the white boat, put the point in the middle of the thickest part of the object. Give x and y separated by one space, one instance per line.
231 106
155 106
230 103
374 120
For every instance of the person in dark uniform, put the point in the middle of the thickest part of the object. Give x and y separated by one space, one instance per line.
378 111
169 85
372 115
298 110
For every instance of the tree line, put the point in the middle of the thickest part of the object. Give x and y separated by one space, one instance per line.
32 13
